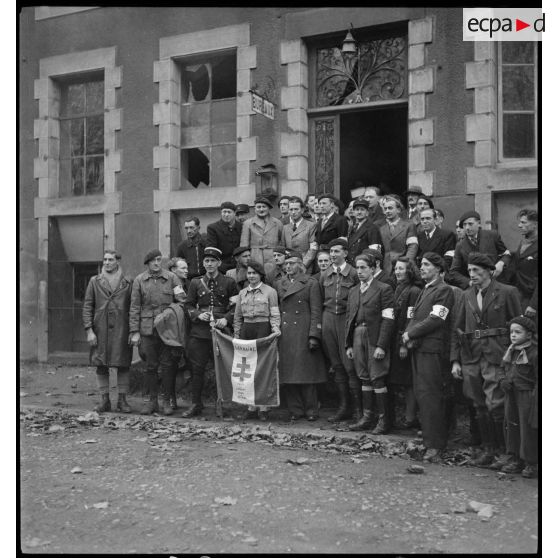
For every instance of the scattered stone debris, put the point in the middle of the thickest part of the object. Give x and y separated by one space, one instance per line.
415 469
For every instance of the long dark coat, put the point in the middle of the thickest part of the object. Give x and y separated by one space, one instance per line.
301 315
108 314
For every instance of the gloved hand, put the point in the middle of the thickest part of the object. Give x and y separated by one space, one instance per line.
313 344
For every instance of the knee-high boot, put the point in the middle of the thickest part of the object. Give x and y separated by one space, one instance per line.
197 388
382 426
343 411
366 421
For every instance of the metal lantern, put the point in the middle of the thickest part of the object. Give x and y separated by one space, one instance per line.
267 181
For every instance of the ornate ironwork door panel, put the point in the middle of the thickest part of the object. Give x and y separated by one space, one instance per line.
324 154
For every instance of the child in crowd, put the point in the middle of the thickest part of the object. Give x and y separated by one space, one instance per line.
521 387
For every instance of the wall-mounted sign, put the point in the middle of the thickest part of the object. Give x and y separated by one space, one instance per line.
262 106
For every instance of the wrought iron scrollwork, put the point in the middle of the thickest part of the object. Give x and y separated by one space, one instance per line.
378 72
325 155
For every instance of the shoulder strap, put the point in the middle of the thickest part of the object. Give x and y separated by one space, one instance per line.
474 312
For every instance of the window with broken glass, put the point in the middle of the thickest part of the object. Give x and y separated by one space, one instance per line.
82 138
208 122
517 100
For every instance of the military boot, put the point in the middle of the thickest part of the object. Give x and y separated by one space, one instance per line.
356 396
366 421
167 408
150 406
343 411
122 405
486 429
104 405
197 406
382 426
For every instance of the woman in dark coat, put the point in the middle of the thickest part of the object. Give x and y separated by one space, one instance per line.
301 362
407 291
105 315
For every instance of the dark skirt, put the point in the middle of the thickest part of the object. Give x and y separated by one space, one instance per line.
254 330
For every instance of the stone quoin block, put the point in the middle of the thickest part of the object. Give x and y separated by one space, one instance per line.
421 132
294 97
246 58
169 90
480 74
479 127
244 105
485 99
243 172
297 120
421 81
420 31
485 153
294 144
417 158
242 126
246 150
294 188
425 180
293 51
169 178
417 106
169 134
113 77
166 157
166 113
242 80
297 168
485 50
416 56
297 74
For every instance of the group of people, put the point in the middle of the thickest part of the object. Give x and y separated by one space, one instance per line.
382 296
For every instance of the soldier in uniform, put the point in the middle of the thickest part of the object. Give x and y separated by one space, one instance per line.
335 283
275 274
479 342
208 302
426 334
369 325
225 235
152 292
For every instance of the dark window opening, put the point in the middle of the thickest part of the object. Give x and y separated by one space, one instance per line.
195 166
82 274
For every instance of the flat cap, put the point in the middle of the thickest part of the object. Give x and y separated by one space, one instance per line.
339 242
240 250
263 199
482 260
242 208
326 195
361 202
212 252
280 250
436 260
524 322
228 205
151 255
468 215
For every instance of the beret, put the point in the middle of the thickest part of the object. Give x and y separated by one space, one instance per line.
263 199
280 250
228 205
482 260
151 255
257 266
468 215
435 259
294 254
361 202
212 252
240 250
242 208
326 196
339 242
524 322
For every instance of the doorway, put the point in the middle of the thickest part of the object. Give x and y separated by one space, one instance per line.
373 150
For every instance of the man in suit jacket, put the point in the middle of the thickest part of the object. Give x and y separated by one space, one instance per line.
225 235
262 233
435 239
368 329
300 234
375 211
476 240
427 335
283 205
399 236
364 234
525 262
479 342
331 225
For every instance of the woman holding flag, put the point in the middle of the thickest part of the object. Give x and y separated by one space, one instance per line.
256 315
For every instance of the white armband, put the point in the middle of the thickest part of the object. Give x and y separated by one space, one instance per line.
506 253
450 253
410 311
178 290
388 313
411 240
375 247
439 311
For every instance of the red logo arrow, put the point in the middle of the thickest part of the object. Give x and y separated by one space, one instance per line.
519 25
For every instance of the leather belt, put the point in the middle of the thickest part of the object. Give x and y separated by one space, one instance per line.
256 319
361 324
480 333
220 309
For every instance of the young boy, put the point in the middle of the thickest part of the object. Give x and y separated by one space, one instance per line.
521 387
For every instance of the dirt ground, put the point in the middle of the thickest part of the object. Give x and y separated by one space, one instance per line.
128 484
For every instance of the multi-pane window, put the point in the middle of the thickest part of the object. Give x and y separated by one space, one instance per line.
518 100
208 122
82 137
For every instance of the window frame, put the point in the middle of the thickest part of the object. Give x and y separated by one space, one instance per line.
517 160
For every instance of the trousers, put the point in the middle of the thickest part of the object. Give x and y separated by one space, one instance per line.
302 399
521 439
480 385
157 354
333 343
